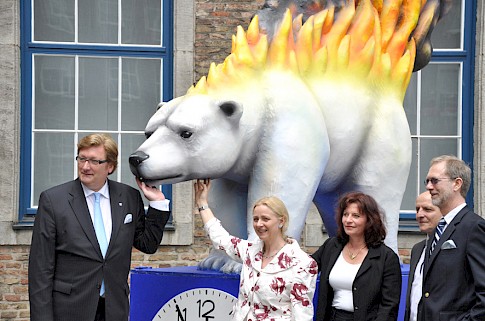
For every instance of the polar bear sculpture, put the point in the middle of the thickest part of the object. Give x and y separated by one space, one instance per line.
307 115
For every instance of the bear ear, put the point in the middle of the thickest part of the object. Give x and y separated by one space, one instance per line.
160 105
232 110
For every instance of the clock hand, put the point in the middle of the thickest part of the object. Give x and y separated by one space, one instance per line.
179 313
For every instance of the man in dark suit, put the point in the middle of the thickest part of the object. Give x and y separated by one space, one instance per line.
454 268
79 272
427 216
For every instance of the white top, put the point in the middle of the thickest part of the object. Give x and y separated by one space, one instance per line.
417 288
341 278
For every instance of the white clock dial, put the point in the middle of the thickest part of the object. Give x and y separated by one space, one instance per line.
199 304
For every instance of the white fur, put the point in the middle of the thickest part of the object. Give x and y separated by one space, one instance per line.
287 138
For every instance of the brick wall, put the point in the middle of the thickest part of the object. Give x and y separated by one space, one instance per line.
14 303
216 22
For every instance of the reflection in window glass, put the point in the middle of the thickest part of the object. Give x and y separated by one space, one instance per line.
98 93
53 161
440 99
141 22
433 147
410 103
129 143
54 92
409 198
98 21
53 20
447 33
141 92
98 69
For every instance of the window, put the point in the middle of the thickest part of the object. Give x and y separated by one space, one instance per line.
439 102
88 66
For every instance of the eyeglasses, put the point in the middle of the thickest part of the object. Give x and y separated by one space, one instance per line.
434 180
83 160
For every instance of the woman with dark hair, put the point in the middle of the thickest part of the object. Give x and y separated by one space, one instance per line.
360 277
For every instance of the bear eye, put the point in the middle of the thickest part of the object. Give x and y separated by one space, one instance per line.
185 134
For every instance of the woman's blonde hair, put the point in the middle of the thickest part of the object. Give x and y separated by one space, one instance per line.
278 207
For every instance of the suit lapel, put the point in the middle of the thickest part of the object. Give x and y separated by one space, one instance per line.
450 229
415 259
77 200
366 264
117 205
254 253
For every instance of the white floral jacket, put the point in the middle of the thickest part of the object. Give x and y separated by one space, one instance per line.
283 290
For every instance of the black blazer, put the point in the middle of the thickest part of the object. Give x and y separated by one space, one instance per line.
66 265
416 252
454 278
376 288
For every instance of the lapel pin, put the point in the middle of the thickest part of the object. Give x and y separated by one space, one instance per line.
120 204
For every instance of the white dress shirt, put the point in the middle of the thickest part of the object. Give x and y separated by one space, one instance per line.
417 287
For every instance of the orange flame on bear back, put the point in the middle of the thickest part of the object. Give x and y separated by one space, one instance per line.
367 39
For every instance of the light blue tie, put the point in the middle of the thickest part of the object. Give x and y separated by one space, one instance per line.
100 232
437 234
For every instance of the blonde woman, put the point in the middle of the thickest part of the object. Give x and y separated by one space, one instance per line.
277 278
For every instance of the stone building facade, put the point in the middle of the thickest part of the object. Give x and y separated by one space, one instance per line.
202 34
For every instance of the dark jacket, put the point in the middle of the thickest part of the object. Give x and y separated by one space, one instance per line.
376 288
416 252
66 266
454 275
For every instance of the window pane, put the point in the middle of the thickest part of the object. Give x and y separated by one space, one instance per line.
129 143
98 21
54 92
98 93
141 22
53 162
440 99
409 199
141 92
447 32
410 103
53 20
431 148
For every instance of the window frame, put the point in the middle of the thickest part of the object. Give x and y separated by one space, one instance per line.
29 48
465 56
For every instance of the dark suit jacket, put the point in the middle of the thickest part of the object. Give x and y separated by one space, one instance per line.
454 279
416 252
376 288
66 266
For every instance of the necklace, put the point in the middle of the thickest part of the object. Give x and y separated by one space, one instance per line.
272 256
354 255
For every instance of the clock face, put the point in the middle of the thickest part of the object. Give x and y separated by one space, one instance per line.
204 304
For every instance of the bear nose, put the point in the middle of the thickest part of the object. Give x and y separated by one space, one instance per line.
135 160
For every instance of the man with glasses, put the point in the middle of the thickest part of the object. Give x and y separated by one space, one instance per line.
83 236
427 216
454 266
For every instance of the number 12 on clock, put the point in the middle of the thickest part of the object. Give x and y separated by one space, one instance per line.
198 304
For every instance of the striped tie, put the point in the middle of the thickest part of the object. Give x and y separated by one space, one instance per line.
437 234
